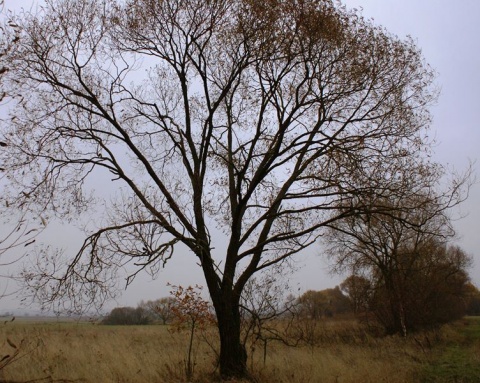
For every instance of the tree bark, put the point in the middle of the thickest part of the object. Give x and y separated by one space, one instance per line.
233 356
397 312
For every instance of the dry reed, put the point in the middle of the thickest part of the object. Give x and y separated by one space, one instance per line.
122 354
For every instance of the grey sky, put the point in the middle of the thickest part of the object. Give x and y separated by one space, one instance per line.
448 34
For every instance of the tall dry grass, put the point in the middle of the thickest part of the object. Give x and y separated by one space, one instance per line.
94 353
344 352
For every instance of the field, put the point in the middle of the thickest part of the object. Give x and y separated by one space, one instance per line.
345 352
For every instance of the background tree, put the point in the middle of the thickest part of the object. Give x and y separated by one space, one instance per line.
261 121
325 303
413 273
358 290
433 293
473 299
160 309
127 316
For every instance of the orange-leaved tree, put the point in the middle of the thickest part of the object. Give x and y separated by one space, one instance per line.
191 312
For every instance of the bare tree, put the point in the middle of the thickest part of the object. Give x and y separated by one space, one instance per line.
230 124
267 312
160 309
403 253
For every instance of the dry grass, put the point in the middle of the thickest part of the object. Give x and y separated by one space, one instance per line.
345 352
92 353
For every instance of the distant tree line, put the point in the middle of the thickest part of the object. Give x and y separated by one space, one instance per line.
425 288
436 295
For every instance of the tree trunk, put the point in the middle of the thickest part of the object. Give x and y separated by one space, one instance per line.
398 325
233 356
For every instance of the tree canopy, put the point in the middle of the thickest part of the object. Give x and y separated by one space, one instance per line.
263 121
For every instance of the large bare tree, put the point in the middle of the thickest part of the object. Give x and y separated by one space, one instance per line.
257 120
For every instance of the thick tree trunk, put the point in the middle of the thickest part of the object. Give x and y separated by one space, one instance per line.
233 356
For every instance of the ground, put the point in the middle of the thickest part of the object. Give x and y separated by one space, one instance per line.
343 352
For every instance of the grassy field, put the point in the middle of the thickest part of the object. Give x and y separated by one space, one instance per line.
457 359
84 352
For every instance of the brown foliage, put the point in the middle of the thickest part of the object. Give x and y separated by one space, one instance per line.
127 316
358 290
324 303
473 299
193 314
433 292
263 121
429 287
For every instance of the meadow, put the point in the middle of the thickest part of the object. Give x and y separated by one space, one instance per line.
345 352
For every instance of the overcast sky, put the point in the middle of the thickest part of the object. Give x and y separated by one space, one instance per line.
448 33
